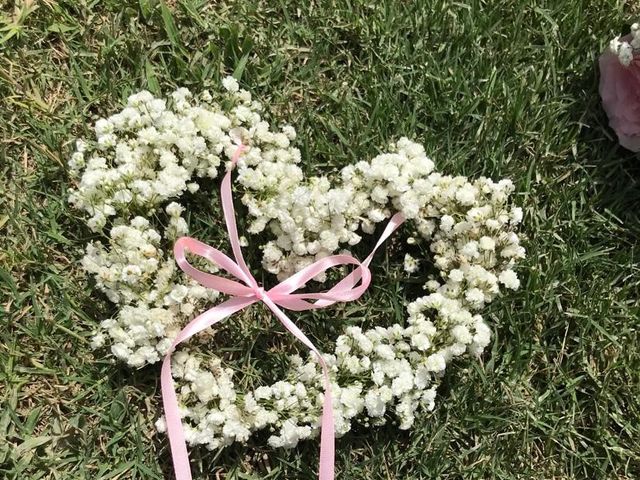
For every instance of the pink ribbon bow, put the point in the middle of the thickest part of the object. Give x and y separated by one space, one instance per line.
247 292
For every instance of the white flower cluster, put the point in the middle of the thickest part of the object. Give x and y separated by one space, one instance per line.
144 157
147 156
626 50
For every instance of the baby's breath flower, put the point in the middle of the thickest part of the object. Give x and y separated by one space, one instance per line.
625 53
410 264
230 84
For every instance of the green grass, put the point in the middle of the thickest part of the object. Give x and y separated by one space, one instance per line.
494 87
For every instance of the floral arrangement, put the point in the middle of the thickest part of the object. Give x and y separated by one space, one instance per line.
130 180
620 87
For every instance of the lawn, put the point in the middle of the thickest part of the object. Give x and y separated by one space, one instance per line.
503 88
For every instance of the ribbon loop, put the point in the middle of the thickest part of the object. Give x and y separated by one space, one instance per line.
247 291
216 257
299 280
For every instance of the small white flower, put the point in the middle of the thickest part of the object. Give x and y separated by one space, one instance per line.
435 363
230 84
446 223
509 279
410 264
455 275
470 249
516 215
161 425
97 341
121 351
289 131
421 341
461 334
466 195
432 285
178 293
625 53
475 297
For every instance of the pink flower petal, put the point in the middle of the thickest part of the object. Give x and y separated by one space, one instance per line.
620 92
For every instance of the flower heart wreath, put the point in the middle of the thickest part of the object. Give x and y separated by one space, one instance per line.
154 151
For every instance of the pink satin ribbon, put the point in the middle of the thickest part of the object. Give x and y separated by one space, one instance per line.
246 292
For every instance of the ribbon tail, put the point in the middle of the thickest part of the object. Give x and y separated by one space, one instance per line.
395 222
175 430
327 432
